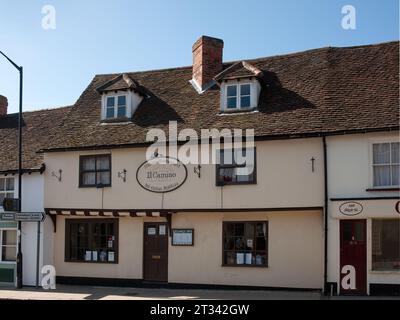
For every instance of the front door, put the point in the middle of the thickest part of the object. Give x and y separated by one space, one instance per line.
155 255
353 257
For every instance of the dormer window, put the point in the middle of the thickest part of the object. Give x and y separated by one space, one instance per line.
238 96
116 107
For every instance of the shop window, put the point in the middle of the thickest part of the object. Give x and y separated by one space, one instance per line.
245 244
6 189
386 164
95 171
91 240
386 244
8 245
237 166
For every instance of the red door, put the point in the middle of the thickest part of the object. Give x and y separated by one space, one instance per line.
353 257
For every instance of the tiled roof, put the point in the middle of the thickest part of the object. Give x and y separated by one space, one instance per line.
39 129
325 90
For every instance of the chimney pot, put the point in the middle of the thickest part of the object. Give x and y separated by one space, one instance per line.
207 60
3 106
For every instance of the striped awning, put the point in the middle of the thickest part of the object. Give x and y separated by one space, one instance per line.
107 213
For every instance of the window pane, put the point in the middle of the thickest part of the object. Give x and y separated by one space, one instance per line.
89 178
110 113
9 253
381 153
104 178
122 101
2 196
231 103
89 163
395 175
396 152
232 91
381 176
2 184
9 237
10 184
121 112
110 102
245 90
103 163
386 244
245 102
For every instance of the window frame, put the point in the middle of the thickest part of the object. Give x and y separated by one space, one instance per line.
266 265
90 222
238 107
218 167
372 165
1 246
5 192
115 107
81 171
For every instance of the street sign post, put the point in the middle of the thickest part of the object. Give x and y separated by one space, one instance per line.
23 216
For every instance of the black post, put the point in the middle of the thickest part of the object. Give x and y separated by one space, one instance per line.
19 254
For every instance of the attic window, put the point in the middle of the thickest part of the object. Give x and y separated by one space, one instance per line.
116 107
238 97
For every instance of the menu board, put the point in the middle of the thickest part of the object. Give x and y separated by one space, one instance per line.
182 237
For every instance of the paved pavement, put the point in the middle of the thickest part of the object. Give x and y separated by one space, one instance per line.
64 292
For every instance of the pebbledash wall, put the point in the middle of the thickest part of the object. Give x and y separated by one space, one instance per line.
288 194
350 180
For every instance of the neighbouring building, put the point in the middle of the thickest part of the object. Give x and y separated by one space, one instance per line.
38 127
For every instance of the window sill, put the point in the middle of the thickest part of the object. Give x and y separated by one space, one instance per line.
235 184
237 112
121 120
394 271
96 186
244 266
91 262
383 189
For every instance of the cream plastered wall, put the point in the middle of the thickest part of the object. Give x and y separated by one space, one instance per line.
284 179
295 251
349 176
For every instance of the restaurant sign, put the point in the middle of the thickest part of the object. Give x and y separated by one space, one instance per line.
161 175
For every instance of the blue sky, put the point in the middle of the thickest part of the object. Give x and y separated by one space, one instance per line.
97 36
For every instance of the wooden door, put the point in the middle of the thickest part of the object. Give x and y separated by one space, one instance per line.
155 251
353 257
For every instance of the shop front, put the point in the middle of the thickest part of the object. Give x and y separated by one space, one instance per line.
367 254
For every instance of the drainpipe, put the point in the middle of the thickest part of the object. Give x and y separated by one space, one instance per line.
326 291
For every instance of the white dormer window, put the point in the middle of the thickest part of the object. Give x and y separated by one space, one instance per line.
239 96
116 107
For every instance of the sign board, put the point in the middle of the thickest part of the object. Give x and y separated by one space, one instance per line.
23 216
182 237
161 175
351 208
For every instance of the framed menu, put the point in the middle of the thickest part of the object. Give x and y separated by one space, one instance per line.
182 237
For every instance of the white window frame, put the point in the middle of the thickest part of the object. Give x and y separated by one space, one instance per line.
238 86
1 245
372 142
115 107
7 191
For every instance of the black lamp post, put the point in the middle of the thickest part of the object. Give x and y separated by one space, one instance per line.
19 254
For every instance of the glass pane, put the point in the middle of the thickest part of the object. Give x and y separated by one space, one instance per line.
89 178
2 195
10 237
261 243
9 253
386 244
381 153
122 101
261 259
10 195
226 175
104 178
261 230
359 231
2 184
347 231
121 112
230 258
10 184
229 230
229 243
110 102
381 176
231 103
103 163
245 102
232 91
239 229
396 175
245 90
226 157
396 152
110 113
89 163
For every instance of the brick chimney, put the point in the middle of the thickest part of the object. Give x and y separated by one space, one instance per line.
207 61
3 106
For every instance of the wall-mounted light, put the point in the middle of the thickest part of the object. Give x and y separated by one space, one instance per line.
122 175
58 176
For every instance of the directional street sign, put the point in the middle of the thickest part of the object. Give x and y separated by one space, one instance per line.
23 216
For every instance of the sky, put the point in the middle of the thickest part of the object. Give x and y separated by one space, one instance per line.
96 36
